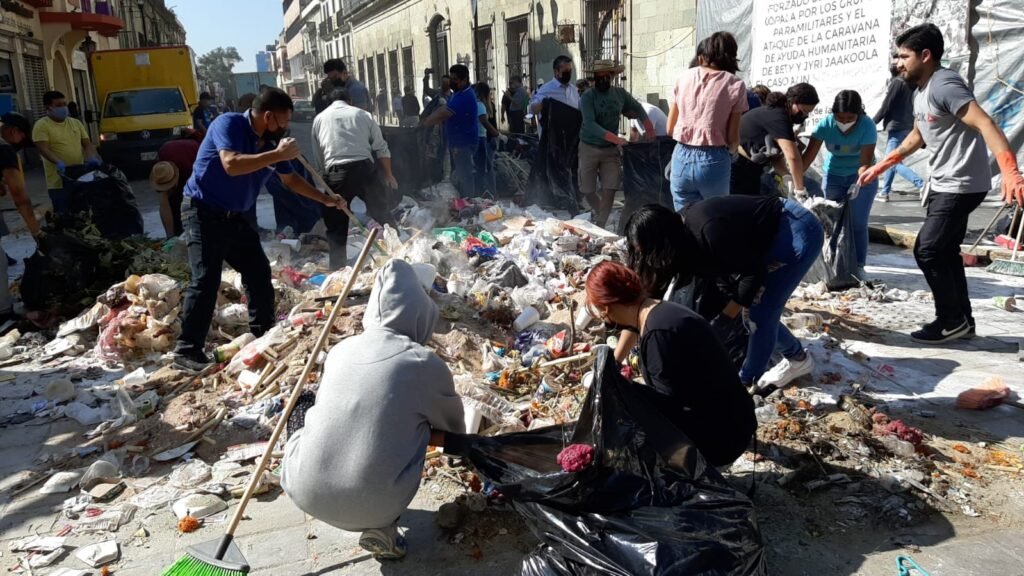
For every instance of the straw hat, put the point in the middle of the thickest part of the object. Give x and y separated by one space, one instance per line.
607 66
163 176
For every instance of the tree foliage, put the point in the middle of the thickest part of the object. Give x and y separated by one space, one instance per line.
216 66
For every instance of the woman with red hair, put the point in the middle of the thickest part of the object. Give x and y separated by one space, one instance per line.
682 362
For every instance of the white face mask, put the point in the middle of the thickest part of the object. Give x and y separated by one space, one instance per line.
845 126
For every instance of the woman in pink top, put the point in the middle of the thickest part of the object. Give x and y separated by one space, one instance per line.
704 119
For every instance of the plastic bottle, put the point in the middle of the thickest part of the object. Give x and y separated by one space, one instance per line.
804 320
227 351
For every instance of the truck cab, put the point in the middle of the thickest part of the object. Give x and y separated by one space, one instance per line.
147 96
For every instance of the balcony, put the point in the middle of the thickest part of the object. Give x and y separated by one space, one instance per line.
322 29
339 20
102 20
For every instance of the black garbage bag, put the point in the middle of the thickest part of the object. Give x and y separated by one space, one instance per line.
649 504
416 159
554 179
644 168
59 271
838 261
105 194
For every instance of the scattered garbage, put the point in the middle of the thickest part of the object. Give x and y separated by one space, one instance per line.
96 555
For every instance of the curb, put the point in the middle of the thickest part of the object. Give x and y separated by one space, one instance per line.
882 234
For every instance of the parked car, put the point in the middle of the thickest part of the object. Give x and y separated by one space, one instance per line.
304 111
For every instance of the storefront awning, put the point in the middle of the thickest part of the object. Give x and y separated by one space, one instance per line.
100 23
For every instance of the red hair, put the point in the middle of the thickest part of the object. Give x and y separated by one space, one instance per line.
612 283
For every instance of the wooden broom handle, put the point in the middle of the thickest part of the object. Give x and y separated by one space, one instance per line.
261 466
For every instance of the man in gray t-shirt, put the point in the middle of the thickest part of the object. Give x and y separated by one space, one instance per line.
950 122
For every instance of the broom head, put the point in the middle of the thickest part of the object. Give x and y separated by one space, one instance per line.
201 560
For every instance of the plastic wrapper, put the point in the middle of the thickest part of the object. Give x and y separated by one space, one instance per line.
647 505
250 355
530 295
453 235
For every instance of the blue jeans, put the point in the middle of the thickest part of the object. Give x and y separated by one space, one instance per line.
895 138
483 161
699 172
59 197
795 247
462 171
836 188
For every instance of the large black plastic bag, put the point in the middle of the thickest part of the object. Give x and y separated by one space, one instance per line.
649 504
104 192
553 181
645 176
838 261
415 163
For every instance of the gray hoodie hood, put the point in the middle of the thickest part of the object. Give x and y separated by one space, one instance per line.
399 303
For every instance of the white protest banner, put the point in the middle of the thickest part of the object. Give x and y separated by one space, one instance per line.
832 44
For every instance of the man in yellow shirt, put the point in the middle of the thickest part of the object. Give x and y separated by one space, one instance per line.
62 142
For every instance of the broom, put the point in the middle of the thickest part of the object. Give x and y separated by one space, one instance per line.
1011 267
222 557
968 256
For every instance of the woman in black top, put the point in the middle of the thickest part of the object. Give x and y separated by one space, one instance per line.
689 374
758 248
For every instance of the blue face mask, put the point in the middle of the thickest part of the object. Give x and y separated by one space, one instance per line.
59 112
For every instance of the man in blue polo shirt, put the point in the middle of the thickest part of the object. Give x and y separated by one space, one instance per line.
460 123
240 152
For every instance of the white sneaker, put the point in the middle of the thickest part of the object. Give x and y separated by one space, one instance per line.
786 371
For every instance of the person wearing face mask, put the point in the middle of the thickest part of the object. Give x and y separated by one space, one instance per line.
757 249
459 116
768 143
14 133
897 112
337 76
62 141
849 137
686 370
203 114
239 153
559 88
600 155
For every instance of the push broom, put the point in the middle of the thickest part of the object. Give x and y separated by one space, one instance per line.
1011 267
222 557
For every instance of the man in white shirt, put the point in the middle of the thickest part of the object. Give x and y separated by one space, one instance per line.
345 141
559 88
656 116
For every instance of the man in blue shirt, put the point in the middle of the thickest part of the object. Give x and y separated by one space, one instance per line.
460 121
202 116
240 152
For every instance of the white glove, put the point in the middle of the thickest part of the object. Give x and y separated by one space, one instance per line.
747 322
853 192
800 195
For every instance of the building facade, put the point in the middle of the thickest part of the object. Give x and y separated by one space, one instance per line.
148 23
292 75
263 61
388 43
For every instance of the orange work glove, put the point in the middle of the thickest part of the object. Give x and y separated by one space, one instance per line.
1013 182
871 174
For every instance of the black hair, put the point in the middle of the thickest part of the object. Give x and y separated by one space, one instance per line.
762 92
16 120
50 96
272 100
848 101
923 37
339 93
775 100
655 240
334 65
245 101
802 93
719 51
563 59
694 62
459 71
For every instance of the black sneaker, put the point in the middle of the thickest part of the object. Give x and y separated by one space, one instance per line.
193 360
934 333
972 332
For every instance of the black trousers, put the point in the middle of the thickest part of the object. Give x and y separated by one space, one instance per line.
353 180
937 251
517 121
214 237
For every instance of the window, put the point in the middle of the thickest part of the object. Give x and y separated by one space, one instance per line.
604 29
484 56
439 49
144 102
382 86
408 68
371 78
517 34
394 79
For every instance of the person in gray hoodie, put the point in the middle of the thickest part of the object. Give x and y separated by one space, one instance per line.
356 462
